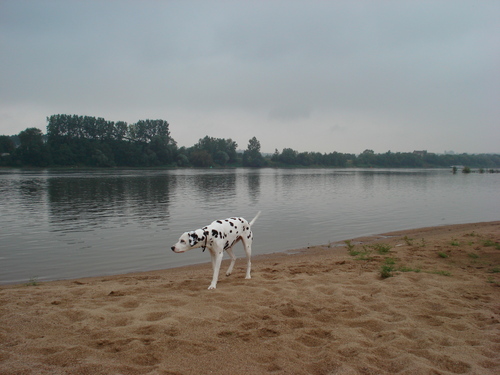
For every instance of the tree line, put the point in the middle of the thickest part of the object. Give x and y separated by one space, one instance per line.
85 141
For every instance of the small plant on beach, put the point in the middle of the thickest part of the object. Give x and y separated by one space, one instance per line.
382 248
350 246
408 269
473 255
408 240
490 243
386 271
33 281
455 243
390 261
389 267
423 244
364 255
495 270
352 252
443 255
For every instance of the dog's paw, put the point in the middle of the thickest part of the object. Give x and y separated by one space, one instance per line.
248 277
212 286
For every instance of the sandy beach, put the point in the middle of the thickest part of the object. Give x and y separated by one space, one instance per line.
422 301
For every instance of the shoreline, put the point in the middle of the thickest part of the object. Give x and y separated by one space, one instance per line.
241 258
317 310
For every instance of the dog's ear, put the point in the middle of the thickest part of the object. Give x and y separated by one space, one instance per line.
196 236
193 238
201 234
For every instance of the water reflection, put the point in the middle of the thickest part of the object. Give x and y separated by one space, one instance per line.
215 185
253 182
86 201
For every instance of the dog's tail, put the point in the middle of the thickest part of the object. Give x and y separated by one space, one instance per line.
255 218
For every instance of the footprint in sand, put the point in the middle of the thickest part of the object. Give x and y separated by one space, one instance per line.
267 333
156 316
316 337
147 330
130 304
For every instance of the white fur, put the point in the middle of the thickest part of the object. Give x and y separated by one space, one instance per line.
219 236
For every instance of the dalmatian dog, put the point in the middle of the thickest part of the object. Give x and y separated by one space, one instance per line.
219 236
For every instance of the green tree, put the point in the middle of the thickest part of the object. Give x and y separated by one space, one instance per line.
102 155
120 130
146 130
86 140
305 158
32 150
63 155
221 158
6 144
201 158
276 156
127 153
164 149
222 151
288 156
252 156
366 159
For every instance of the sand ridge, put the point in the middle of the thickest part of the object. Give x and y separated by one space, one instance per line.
323 310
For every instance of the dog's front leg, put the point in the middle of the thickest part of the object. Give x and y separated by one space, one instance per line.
216 262
233 260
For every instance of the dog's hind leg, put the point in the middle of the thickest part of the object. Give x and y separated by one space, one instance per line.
247 244
233 260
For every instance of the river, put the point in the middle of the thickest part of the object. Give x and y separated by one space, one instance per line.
70 224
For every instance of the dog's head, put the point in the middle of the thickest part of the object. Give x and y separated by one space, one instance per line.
190 240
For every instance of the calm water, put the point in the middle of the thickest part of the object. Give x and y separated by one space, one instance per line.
56 225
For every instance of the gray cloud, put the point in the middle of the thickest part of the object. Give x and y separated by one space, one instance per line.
397 75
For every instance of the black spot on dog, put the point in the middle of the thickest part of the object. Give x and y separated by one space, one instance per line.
218 221
231 223
215 233
226 246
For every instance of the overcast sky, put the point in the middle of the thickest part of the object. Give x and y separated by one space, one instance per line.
309 75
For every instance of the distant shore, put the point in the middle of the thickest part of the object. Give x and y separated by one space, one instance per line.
414 301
